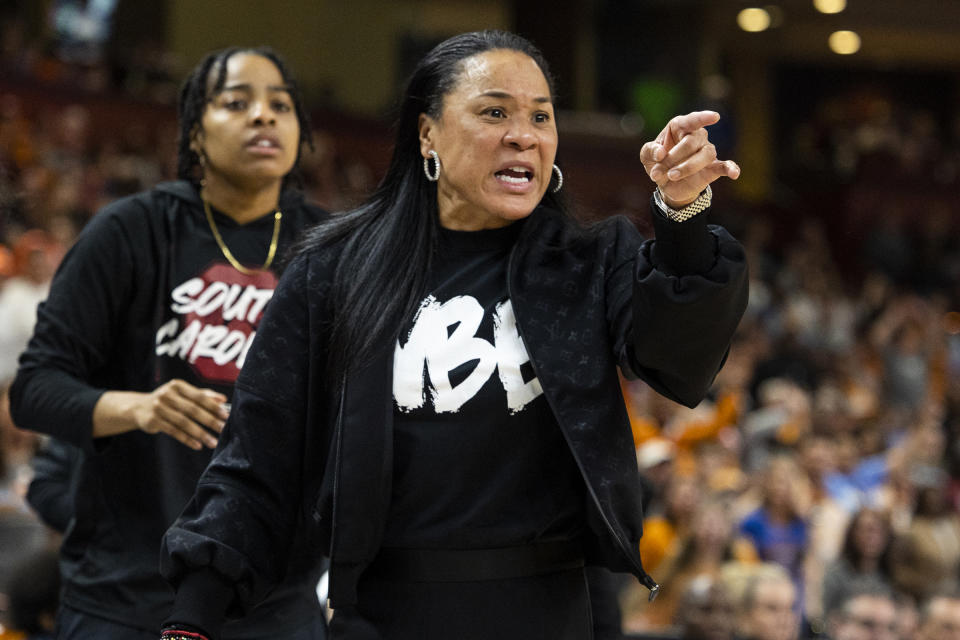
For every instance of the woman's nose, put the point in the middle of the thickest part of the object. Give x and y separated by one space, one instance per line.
520 136
261 113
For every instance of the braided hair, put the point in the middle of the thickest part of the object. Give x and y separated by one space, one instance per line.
207 80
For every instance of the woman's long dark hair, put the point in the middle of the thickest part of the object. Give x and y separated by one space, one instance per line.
199 88
381 275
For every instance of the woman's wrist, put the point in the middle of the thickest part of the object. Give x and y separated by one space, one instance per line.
682 213
676 204
200 604
115 413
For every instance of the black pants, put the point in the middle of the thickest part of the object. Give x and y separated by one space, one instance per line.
554 606
73 624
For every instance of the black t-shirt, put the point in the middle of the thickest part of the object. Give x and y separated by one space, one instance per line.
211 312
479 459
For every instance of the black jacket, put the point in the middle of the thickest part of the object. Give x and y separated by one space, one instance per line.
108 323
585 303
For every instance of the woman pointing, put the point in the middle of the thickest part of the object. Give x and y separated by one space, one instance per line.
437 373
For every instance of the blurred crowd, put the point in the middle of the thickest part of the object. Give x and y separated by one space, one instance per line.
70 50
815 493
867 130
828 453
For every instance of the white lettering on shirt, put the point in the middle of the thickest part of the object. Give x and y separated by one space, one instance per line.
215 320
431 345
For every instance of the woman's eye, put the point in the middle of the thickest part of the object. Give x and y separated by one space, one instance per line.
282 107
541 117
235 105
494 112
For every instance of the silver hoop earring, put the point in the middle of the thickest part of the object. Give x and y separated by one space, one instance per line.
432 177
559 173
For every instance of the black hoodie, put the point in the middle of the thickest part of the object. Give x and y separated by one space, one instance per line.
145 296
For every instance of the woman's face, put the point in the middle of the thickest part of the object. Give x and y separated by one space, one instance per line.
250 134
496 139
870 534
712 528
780 479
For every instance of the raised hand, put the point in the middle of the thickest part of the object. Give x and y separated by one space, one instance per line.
683 161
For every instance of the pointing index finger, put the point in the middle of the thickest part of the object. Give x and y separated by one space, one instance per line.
680 126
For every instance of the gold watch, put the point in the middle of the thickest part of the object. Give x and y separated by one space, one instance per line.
687 212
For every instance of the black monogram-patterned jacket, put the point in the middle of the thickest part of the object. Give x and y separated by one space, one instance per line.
318 479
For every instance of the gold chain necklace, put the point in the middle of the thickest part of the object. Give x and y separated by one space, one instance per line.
229 256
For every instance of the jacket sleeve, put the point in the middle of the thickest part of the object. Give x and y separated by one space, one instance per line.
54 391
675 302
229 546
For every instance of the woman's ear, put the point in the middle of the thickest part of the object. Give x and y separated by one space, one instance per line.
426 126
196 141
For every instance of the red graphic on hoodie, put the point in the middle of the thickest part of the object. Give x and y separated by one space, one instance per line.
217 314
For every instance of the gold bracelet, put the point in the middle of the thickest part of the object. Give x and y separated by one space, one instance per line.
687 212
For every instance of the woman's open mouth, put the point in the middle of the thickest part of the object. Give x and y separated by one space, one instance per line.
514 175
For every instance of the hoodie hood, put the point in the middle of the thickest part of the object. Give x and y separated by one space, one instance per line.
186 191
